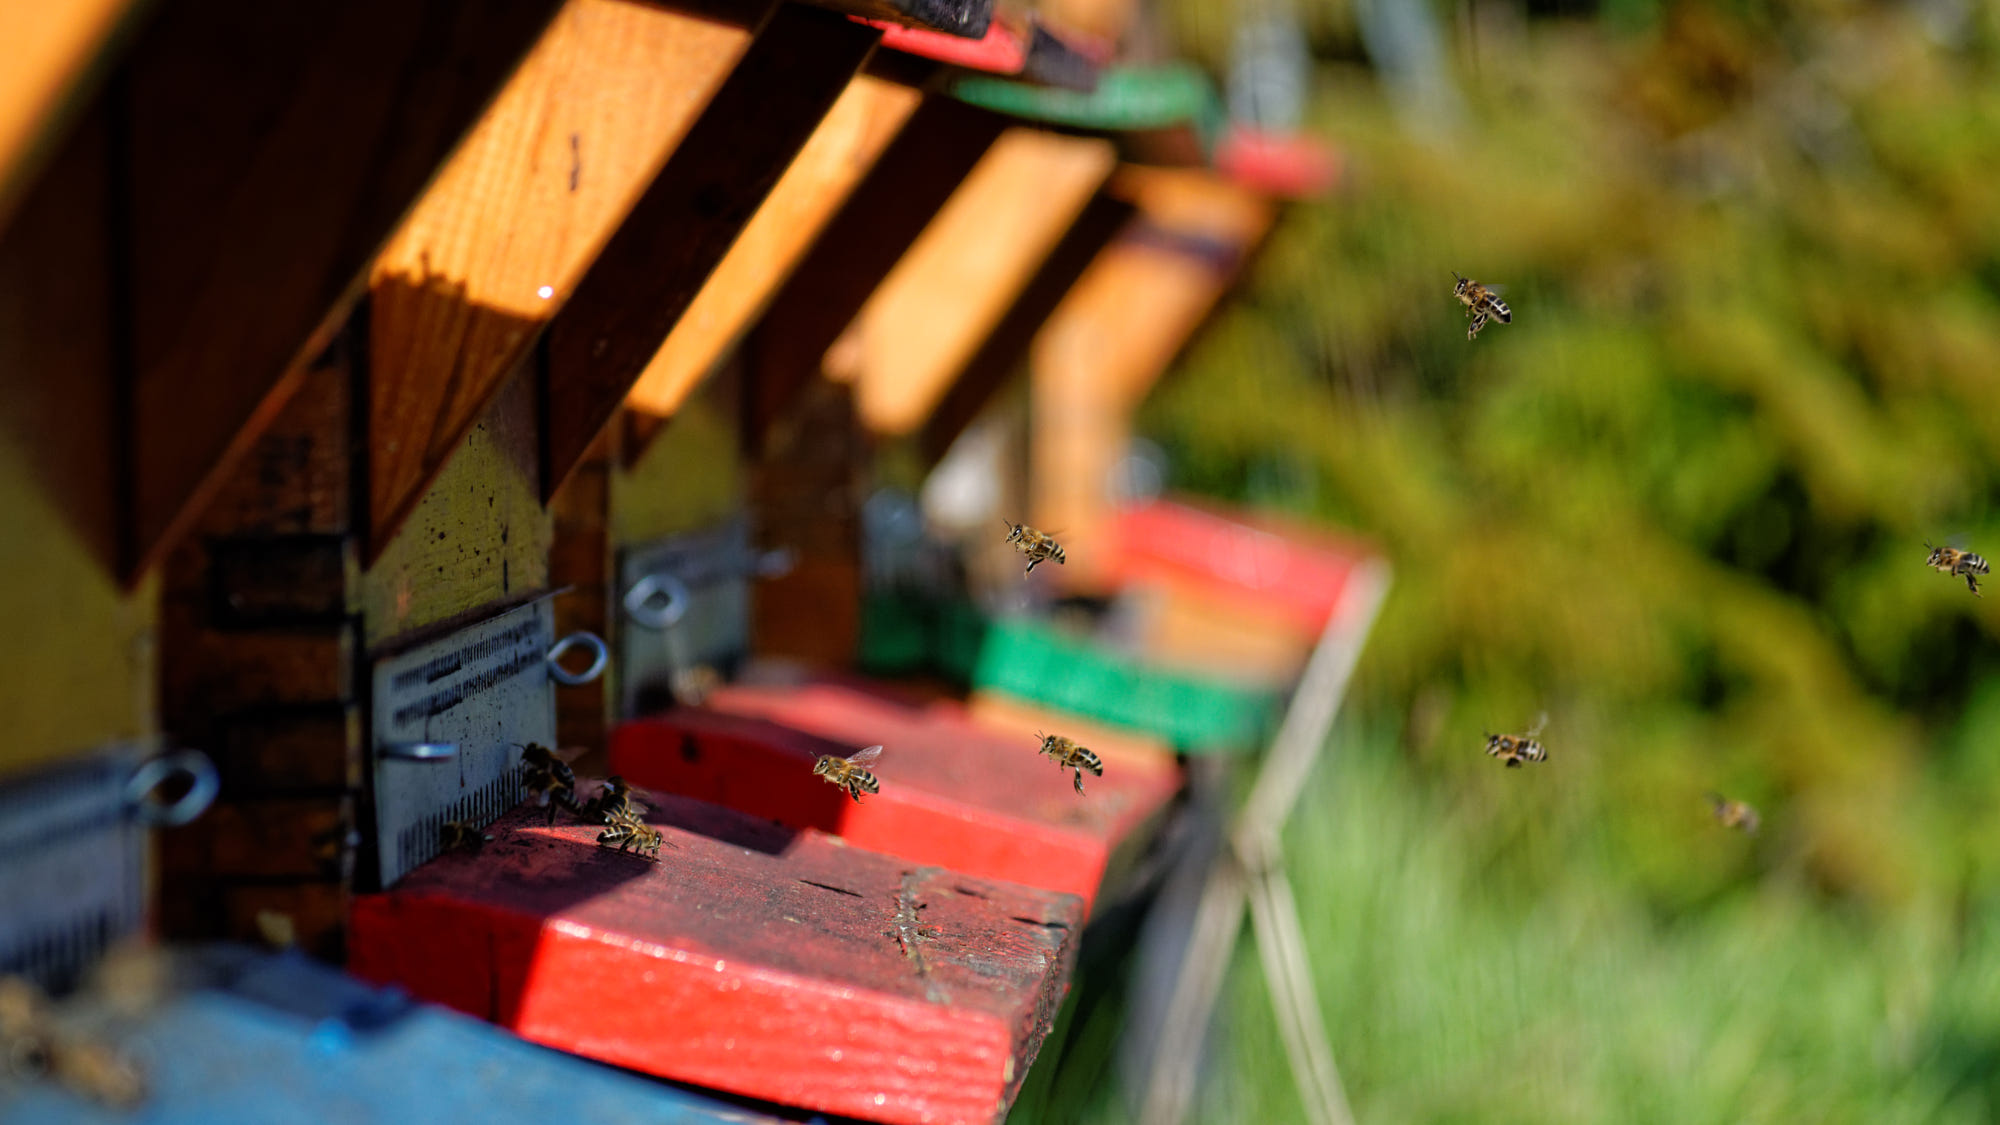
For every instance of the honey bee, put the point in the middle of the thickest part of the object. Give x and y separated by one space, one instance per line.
614 801
1068 755
1037 546
32 1047
549 778
629 832
1733 814
98 1072
1482 303
850 773
1963 564
458 834
1513 749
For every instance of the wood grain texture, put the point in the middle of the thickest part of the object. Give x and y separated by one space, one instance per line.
272 148
53 51
1116 331
478 537
751 958
915 175
954 793
944 297
841 150
648 274
1000 357
581 561
498 242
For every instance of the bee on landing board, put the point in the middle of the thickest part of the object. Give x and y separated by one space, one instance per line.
32 1046
1513 749
849 772
458 834
1068 755
1733 814
549 778
613 801
1962 564
1037 546
1482 303
629 832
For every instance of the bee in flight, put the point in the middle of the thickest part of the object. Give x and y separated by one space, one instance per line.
1482 303
850 773
1068 755
458 834
613 801
1513 749
1039 547
549 778
1733 814
630 833
1963 564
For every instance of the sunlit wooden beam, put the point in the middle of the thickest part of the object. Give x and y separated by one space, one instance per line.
1116 332
52 48
958 279
843 148
498 244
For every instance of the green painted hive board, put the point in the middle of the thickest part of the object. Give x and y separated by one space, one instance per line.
1127 99
905 635
1194 714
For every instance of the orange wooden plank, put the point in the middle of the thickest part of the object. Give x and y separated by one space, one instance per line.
52 50
269 150
1125 320
497 245
932 312
841 150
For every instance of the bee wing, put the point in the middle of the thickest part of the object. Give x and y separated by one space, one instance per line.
865 757
1541 720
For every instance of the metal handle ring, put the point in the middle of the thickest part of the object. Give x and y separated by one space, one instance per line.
777 563
600 657
203 785
644 606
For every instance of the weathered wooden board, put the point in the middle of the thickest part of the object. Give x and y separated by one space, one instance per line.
53 53
580 563
268 150
80 669
915 175
953 793
499 241
750 958
1001 356
1115 332
841 150
956 281
647 275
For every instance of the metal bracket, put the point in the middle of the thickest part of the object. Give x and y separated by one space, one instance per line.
686 603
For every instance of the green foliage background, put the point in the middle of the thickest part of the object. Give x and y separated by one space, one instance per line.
1680 504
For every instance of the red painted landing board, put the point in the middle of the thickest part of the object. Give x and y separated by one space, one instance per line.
752 958
954 793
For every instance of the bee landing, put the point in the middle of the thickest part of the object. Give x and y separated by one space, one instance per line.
1481 303
1962 564
1068 755
1037 546
848 772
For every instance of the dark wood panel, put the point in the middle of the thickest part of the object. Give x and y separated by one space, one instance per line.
268 150
799 62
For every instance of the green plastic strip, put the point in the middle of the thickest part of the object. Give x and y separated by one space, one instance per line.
1127 99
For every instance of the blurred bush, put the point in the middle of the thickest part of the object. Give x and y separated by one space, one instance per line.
1753 253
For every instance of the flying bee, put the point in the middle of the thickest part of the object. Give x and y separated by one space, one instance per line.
629 832
457 834
549 778
1068 755
613 801
1037 546
1513 749
1482 303
1963 564
850 773
98 1072
1733 814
